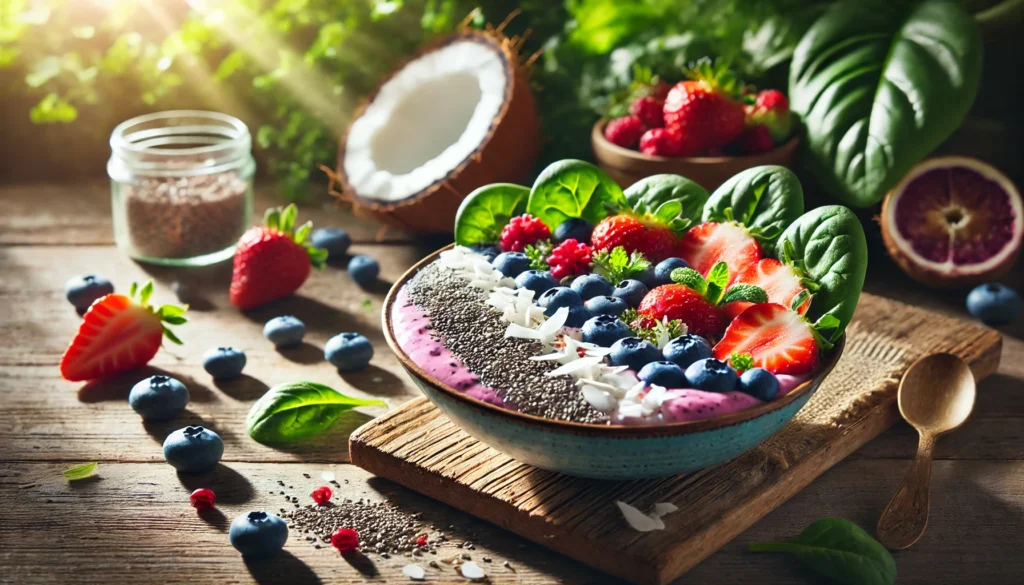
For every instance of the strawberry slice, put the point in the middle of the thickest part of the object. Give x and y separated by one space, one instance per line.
780 281
778 339
710 243
117 334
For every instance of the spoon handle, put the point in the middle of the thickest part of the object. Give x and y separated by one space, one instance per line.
903 521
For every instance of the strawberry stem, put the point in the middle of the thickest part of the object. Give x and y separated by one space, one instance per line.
169 314
282 219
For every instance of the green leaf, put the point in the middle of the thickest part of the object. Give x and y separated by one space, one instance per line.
799 300
741 362
303 232
171 336
617 265
288 216
573 188
53 109
298 410
272 218
317 257
175 320
146 292
691 278
172 311
839 550
655 191
827 323
80 471
133 289
745 292
538 254
879 85
718 278
668 211
765 199
485 211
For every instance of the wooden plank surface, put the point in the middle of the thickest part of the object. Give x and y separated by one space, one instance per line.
133 523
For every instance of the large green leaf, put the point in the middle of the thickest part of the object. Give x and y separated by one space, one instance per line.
484 212
573 188
828 244
654 191
879 85
766 199
298 410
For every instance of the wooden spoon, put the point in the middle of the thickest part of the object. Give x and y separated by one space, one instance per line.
936 395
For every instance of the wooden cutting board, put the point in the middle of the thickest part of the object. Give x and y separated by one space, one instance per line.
418 447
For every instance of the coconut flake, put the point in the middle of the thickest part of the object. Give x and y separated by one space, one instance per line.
327 476
639 521
414 572
472 571
598 398
663 509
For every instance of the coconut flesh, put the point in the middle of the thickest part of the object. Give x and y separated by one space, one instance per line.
425 121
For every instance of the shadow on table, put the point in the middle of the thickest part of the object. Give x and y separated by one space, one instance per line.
160 429
244 387
119 386
375 380
304 353
283 568
230 486
329 442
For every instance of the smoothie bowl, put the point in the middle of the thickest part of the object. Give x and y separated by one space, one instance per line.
634 339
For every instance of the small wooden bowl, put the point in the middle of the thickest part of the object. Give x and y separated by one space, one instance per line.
629 166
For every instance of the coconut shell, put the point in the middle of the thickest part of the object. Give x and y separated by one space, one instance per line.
506 154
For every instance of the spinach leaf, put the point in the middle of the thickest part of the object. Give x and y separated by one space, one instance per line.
484 212
840 550
879 85
80 471
828 245
766 199
298 410
573 188
652 193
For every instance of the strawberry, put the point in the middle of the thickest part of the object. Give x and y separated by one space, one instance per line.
117 334
655 240
705 111
710 243
771 110
756 140
660 142
648 109
272 261
698 301
778 339
781 282
624 131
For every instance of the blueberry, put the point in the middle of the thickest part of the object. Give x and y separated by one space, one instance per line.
665 374
348 351
575 228
633 352
686 349
711 375
994 303
82 291
488 251
558 297
224 363
631 291
647 277
577 316
663 271
606 306
363 270
193 449
286 331
258 534
334 240
759 383
604 330
158 398
592 285
511 264
536 280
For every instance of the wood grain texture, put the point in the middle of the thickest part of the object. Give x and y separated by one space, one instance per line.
418 447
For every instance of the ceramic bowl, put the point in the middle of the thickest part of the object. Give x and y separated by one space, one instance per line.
613 452
629 166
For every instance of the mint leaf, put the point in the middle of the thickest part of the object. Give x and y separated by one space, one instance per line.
618 265
718 278
80 471
741 361
745 292
690 278
538 254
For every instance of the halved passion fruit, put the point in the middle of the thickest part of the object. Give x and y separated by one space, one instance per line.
953 222
457 116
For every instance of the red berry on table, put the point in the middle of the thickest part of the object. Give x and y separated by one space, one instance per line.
660 142
676 301
119 333
624 131
203 499
780 281
569 258
321 495
771 110
272 261
421 540
705 111
345 540
649 110
654 240
522 231
779 340
756 140
710 243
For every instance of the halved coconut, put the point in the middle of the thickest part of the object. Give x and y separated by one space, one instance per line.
953 222
457 116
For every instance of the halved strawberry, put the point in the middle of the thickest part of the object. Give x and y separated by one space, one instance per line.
780 281
117 334
710 243
778 339
654 240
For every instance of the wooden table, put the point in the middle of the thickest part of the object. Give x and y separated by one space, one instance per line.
132 522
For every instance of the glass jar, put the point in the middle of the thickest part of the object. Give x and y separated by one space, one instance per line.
181 186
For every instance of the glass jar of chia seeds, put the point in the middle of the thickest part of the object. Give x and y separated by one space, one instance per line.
181 186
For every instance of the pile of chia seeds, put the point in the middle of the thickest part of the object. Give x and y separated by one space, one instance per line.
475 333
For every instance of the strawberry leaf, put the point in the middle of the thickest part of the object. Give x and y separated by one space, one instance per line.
175 320
146 292
172 311
826 323
132 290
272 218
303 232
718 279
745 292
171 336
799 299
288 216
668 211
690 278
741 361
317 257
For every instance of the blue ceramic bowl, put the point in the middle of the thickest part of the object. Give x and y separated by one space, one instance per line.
614 452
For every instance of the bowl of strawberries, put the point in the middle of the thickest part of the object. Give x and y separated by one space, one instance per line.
707 128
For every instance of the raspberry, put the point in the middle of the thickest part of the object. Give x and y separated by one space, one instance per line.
522 231
624 131
660 142
321 495
345 540
203 499
649 110
421 540
569 258
755 140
